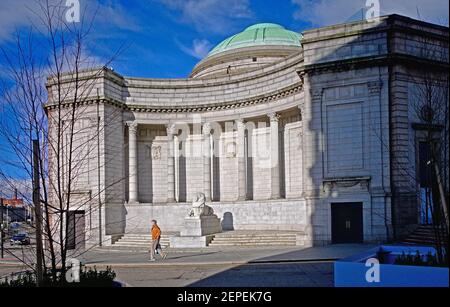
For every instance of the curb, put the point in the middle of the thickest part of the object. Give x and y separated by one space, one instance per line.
168 264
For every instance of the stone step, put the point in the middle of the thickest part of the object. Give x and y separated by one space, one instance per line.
418 242
127 241
227 239
141 241
257 233
416 237
144 237
147 246
253 244
423 235
258 237
254 238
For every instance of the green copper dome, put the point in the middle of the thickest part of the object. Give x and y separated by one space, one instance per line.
261 34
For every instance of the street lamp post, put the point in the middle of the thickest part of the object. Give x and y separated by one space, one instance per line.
37 209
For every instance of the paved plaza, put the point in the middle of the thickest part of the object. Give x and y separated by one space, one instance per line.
215 267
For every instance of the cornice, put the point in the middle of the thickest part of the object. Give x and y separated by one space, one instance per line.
262 99
371 61
257 100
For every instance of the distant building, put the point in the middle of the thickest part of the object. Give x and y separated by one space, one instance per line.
15 210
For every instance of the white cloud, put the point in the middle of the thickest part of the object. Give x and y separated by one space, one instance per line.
199 48
115 14
216 16
328 12
15 14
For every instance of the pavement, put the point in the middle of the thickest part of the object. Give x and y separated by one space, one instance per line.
223 256
213 267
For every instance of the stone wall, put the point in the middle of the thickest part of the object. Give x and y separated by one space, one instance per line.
152 161
293 136
228 181
268 215
194 166
261 175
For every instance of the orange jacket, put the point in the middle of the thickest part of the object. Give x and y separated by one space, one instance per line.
156 232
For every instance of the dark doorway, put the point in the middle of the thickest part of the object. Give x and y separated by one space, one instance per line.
76 230
347 223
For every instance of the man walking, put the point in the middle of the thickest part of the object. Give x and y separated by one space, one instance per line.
156 236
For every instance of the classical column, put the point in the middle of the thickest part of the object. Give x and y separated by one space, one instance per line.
176 145
242 180
170 163
207 161
132 166
274 153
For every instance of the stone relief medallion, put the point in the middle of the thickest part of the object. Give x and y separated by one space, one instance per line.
154 152
230 150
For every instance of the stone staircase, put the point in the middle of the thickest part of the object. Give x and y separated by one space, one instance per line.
142 241
423 235
253 238
235 238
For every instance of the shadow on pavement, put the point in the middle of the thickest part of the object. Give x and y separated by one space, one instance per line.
308 267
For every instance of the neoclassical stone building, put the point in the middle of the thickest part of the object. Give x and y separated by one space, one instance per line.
281 131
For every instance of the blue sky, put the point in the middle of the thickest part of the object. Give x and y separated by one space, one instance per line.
166 38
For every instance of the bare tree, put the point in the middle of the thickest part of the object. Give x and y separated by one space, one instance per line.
430 107
52 111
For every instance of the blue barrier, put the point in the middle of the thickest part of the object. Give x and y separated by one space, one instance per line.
354 272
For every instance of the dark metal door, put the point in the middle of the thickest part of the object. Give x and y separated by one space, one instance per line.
347 222
76 230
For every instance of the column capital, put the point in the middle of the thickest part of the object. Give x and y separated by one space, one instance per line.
133 127
171 129
274 117
239 123
206 129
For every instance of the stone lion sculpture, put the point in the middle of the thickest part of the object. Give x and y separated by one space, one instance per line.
199 208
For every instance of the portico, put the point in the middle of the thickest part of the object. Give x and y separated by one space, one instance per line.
228 151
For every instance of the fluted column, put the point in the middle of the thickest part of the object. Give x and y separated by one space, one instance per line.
274 155
170 163
132 166
242 180
207 161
